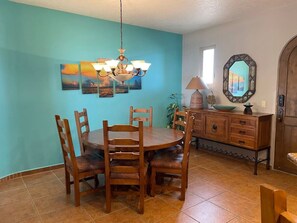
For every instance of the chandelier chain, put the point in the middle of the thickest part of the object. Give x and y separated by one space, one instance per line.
121 16
121 69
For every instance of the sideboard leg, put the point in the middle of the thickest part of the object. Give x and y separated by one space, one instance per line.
268 159
256 162
197 142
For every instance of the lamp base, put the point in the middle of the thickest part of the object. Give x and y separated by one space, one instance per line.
196 100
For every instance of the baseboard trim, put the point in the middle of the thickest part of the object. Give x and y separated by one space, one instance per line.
30 172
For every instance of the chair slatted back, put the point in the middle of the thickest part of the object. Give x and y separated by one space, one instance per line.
82 126
143 114
123 149
66 144
180 120
187 141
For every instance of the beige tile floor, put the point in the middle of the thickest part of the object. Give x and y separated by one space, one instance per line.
221 189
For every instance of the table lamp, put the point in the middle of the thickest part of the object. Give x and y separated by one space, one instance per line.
196 98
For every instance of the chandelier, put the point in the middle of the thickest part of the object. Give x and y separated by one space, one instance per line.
121 69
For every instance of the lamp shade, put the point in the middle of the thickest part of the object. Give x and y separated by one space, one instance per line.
196 83
196 98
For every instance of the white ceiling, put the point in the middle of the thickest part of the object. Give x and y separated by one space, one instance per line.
178 16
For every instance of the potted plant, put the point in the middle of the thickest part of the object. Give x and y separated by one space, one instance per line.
171 109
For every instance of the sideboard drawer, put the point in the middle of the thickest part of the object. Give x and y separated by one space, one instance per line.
243 122
242 131
243 141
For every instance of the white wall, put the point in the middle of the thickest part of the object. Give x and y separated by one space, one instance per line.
262 37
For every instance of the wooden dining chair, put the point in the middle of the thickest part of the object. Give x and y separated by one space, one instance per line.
124 161
141 114
173 164
82 126
274 206
82 168
180 120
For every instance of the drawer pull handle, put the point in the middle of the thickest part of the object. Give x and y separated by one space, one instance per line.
214 128
242 122
242 132
241 142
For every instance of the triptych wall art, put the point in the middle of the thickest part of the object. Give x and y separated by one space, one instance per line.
84 76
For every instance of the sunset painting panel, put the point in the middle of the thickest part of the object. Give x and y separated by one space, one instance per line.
135 83
121 88
70 76
89 82
105 87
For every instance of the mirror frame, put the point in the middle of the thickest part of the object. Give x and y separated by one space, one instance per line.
252 78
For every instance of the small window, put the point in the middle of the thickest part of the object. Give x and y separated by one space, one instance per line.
208 64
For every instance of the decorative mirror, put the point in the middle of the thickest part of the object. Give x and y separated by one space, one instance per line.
239 80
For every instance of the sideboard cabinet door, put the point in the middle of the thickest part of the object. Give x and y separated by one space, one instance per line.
216 127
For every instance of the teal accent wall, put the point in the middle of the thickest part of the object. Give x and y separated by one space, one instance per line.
34 42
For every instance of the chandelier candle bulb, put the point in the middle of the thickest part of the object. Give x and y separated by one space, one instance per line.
145 66
137 63
107 68
112 63
98 66
129 68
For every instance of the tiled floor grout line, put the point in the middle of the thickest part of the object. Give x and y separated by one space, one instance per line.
233 219
87 213
227 190
32 201
191 216
236 215
59 179
55 174
42 197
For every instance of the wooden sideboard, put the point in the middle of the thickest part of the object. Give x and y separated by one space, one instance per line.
251 132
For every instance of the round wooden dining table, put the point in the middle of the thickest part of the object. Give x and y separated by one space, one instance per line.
153 138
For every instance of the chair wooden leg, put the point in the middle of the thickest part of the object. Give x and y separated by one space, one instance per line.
108 197
67 181
183 187
160 178
141 199
96 181
187 176
153 181
148 184
76 192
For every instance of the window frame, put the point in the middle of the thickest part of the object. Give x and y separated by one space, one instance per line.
202 49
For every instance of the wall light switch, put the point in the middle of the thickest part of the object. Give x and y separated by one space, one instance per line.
263 104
